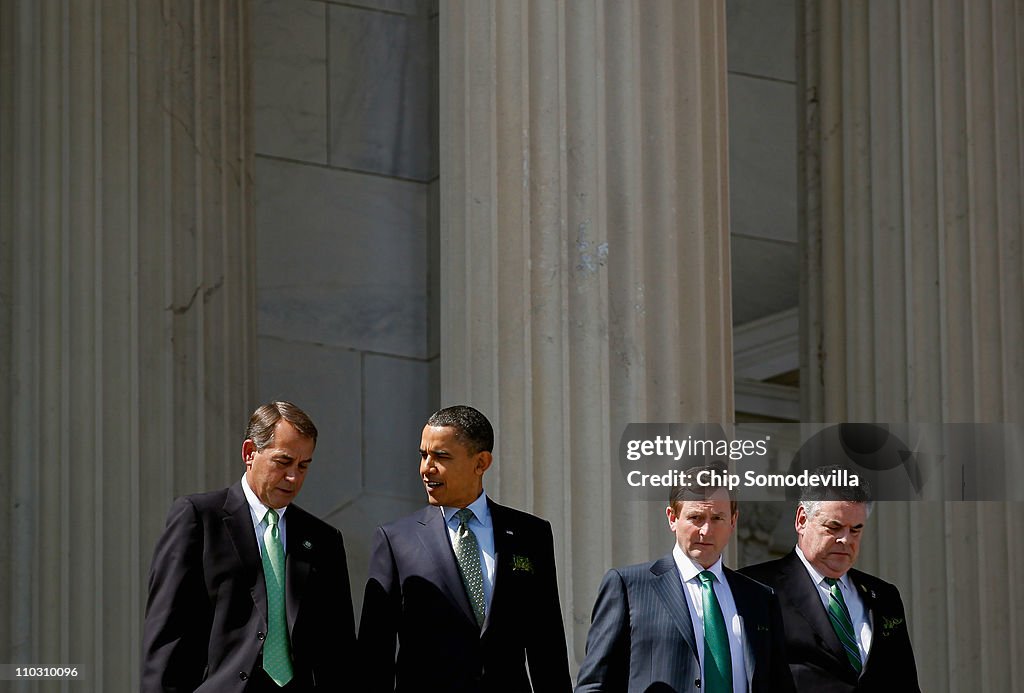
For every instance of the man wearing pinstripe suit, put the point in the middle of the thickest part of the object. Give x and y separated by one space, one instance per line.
661 627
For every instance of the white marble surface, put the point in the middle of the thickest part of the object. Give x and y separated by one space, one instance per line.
397 402
326 383
381 72
762 38
765 278
409 7
433 276
289 49
341 258
762 158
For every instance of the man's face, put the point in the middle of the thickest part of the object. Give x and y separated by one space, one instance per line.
703 527
275 473
451 475
830 540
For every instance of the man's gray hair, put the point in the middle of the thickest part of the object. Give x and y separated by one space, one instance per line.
811 497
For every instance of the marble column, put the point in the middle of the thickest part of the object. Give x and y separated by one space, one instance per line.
913 304
126 307
584 252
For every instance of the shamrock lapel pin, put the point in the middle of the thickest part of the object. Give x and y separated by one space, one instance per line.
889 625
522 563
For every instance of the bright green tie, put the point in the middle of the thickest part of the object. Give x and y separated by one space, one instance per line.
717 660
277 661
467 553
842 624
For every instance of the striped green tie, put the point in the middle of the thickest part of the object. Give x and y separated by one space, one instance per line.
842 623
277 661
467 553
717 660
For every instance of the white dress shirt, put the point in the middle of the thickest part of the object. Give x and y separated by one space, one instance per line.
258 513
688 573
484 530
855 605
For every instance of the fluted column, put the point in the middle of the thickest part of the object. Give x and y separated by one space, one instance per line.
127 311
914 301
584 251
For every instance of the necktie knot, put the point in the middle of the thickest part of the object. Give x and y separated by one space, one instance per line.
271 517
707 577
831 582
464 516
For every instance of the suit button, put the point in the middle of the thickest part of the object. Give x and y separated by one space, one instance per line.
242 675
697 683
260 635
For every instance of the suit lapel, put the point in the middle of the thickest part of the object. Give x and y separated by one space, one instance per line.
669 588
804 594
433 535
238 524
504 535
298 563
870 600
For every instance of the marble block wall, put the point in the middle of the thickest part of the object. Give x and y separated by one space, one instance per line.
761 40
762 156
346 216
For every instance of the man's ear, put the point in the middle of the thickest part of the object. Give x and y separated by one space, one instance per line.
248 452
671 515
800 521
483 461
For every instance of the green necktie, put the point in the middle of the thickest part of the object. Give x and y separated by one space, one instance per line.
467 552
277 661
842 623
717 660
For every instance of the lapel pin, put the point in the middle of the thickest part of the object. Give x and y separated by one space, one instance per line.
307 544
508 531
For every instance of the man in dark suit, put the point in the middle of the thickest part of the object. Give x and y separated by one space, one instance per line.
466 586
247 591
845 630
685 622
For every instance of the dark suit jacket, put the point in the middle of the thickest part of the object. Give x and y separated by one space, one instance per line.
206 618
414 593
641 637
816 656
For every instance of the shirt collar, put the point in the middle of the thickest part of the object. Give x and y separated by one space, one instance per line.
688 569
817 577
479 507
259 510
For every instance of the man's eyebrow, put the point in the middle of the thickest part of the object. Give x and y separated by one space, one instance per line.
837 523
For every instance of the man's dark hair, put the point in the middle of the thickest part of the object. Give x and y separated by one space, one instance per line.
694 490
472 428
262 422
